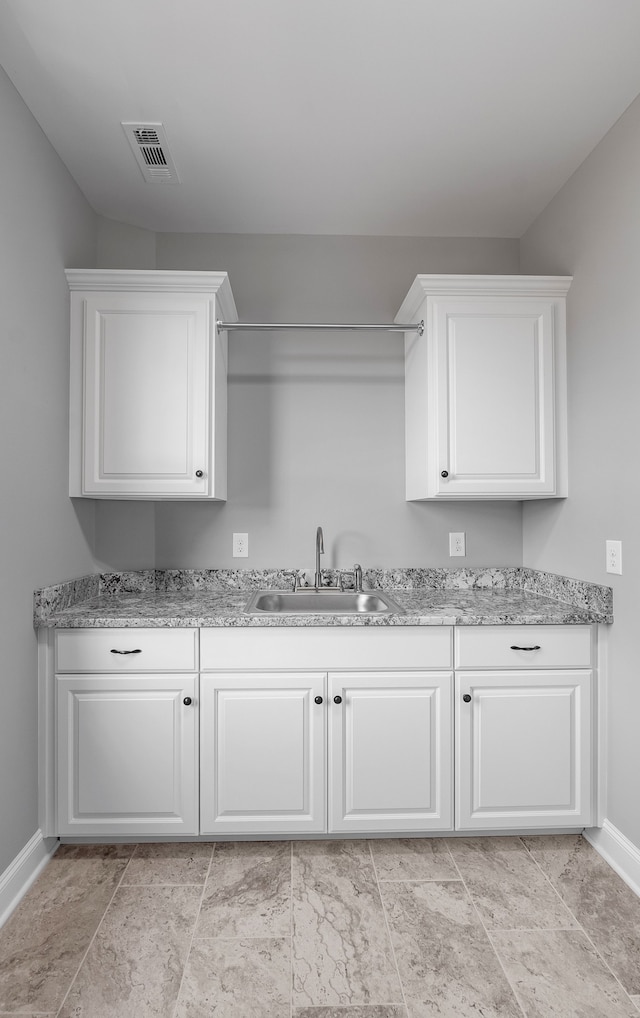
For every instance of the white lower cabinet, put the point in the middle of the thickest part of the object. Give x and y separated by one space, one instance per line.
263 755
264 765
146 747
524 727
326 729
127 750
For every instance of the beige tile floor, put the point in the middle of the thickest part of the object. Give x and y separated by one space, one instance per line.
480 927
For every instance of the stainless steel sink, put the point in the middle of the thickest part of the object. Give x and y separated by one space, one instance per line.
320 602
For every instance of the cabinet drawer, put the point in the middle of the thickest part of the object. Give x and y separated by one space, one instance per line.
126 650
523 647
327 647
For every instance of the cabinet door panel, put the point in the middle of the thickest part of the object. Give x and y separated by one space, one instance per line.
146 390
390 751
127 759
263 753
495 410
524 750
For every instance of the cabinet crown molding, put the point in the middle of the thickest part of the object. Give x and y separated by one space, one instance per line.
153 281
446 285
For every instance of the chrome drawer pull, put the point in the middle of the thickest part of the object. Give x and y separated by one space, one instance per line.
126 652
514 647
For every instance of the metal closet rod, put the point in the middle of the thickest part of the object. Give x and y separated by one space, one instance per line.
273 326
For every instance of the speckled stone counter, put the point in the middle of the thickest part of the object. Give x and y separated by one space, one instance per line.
437 597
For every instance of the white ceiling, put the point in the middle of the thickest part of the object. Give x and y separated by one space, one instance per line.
396 117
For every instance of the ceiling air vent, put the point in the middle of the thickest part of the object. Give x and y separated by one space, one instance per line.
150 147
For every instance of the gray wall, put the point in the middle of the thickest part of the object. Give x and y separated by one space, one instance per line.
121 246
592 230
45 225
316 420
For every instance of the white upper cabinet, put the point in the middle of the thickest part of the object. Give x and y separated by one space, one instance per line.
485 387
148 417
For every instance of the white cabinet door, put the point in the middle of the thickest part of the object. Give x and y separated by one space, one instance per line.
523 757
390 751
263 752
146 389
494 419
127 754
485 386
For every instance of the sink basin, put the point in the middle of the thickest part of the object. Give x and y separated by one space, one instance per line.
320 602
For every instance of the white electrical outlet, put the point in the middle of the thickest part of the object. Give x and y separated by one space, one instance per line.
457 544
614 557
240 545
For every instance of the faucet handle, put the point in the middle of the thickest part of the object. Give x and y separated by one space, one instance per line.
295 579
356 572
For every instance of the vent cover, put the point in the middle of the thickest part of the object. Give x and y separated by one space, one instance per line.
150 147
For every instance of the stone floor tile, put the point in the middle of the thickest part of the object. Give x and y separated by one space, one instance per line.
507 887
77 853
136 961
600 900
44 941
233 978
248 891
341 948
169 863
328 854
446 962
341 958
558 974
413 859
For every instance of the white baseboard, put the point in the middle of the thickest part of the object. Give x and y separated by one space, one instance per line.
20 874
621 854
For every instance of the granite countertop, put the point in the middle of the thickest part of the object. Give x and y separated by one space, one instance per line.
423 607
490 596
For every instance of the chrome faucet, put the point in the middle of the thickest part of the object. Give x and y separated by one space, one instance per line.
319 552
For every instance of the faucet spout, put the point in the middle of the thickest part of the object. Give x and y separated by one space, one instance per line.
319 552
357 577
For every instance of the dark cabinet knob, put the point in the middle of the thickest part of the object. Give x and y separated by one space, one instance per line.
199 473
467 698
444 473
187 701
337 699
318 699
